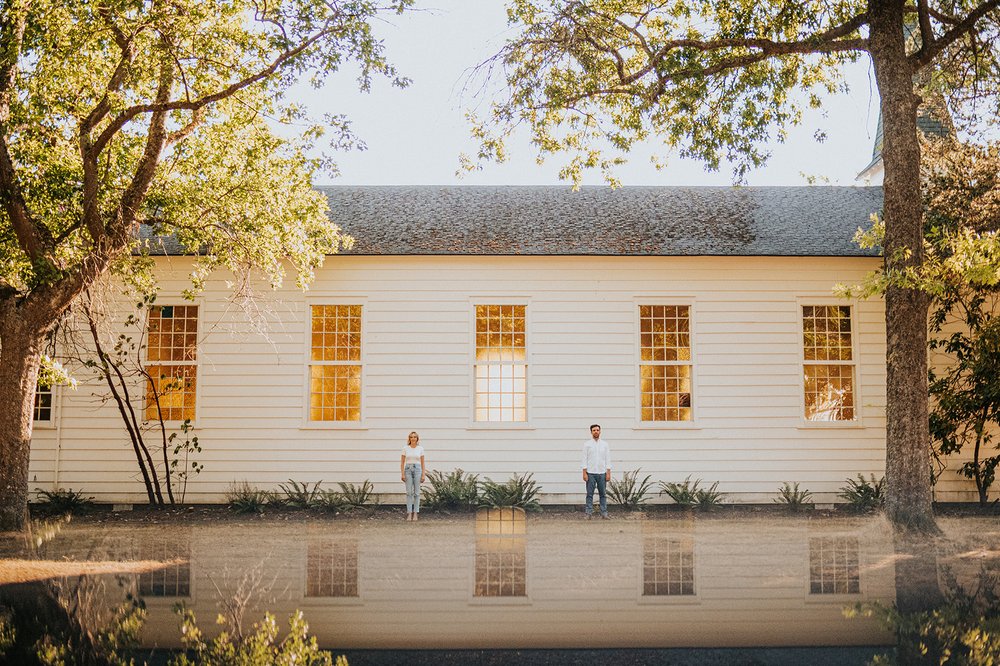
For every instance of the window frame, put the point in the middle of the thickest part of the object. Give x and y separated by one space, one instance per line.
834 597
525 302
306 422
52 422
637 362
855 362
196 363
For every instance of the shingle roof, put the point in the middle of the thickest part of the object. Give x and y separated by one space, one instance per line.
643 221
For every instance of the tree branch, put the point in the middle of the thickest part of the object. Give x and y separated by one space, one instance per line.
929 51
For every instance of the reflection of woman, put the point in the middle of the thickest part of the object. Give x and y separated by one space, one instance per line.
411 469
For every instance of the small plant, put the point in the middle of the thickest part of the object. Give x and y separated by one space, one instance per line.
61 500
863 495
331 500
688 494
519 491
453 491
245 498
630 492
300 495
790 495
357 497
683 494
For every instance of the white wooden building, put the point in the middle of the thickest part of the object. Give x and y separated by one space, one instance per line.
698 326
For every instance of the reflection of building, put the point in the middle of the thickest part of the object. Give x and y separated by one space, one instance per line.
502 579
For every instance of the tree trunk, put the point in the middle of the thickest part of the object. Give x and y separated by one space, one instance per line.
907 450
20 353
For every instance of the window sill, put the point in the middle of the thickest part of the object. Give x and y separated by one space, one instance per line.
669 600
500 425
43 425
333 425
830 425
667 425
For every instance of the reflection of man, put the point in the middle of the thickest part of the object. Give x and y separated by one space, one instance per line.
596 470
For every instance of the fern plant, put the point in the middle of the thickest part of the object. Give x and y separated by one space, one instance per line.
708 498
864 495
453 491
683 494
62 500
630 492
357 497
790 495
300 495
245 498
519 491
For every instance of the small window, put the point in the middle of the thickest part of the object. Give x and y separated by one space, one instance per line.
665 362
833 565
501 369
172 362
332 568
501 561
335 363
173 577
667 566
828 363
43 405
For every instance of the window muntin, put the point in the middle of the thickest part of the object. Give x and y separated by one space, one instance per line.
667 566
828 363
172 362
332 568
665 363
173 578
43 405
501 370
501 553
335 363
833 565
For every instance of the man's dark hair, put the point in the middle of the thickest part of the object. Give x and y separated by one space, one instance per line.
596 425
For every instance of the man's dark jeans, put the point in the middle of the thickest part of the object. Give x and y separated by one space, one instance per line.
599 481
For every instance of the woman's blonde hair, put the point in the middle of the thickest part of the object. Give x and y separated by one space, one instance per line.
412 432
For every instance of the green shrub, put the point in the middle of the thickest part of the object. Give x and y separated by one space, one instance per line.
689 494
454 491
518 491
790 495
863 495
300 495
357 497
62 500
261 646
245 498
331 500
630 492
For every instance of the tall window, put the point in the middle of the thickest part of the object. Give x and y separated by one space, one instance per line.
172 362
332 568
828 368
43 405
173 577
501 553
335 366
665 362
501 363
667 566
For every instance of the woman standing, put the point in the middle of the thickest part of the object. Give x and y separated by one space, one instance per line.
411 470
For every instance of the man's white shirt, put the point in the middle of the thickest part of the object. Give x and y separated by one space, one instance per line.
596 456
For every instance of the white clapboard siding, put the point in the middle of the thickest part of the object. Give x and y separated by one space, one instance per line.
418 346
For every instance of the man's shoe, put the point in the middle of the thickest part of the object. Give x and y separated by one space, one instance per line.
605 516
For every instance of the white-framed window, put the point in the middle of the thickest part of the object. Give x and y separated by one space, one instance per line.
665 363
501 553
829 368
44 411
834 566
172 362
335 363
667 566
501 364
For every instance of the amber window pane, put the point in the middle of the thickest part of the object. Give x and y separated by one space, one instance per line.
500 384
335 375
332 329
175 386
828 371
665 370
501 553
172 333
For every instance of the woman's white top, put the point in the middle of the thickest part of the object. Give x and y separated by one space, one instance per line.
413 454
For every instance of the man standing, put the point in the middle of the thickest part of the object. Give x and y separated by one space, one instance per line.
596 471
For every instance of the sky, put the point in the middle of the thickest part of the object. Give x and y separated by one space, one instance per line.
414 136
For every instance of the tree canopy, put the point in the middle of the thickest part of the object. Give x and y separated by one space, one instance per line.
129 119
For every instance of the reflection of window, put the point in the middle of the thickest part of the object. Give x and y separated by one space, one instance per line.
667 566
43 405
335 365
833 565
332 568
172 356
665 362
500 553
828 367
173 577
501 363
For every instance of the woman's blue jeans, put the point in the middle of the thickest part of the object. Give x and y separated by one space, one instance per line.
411 475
